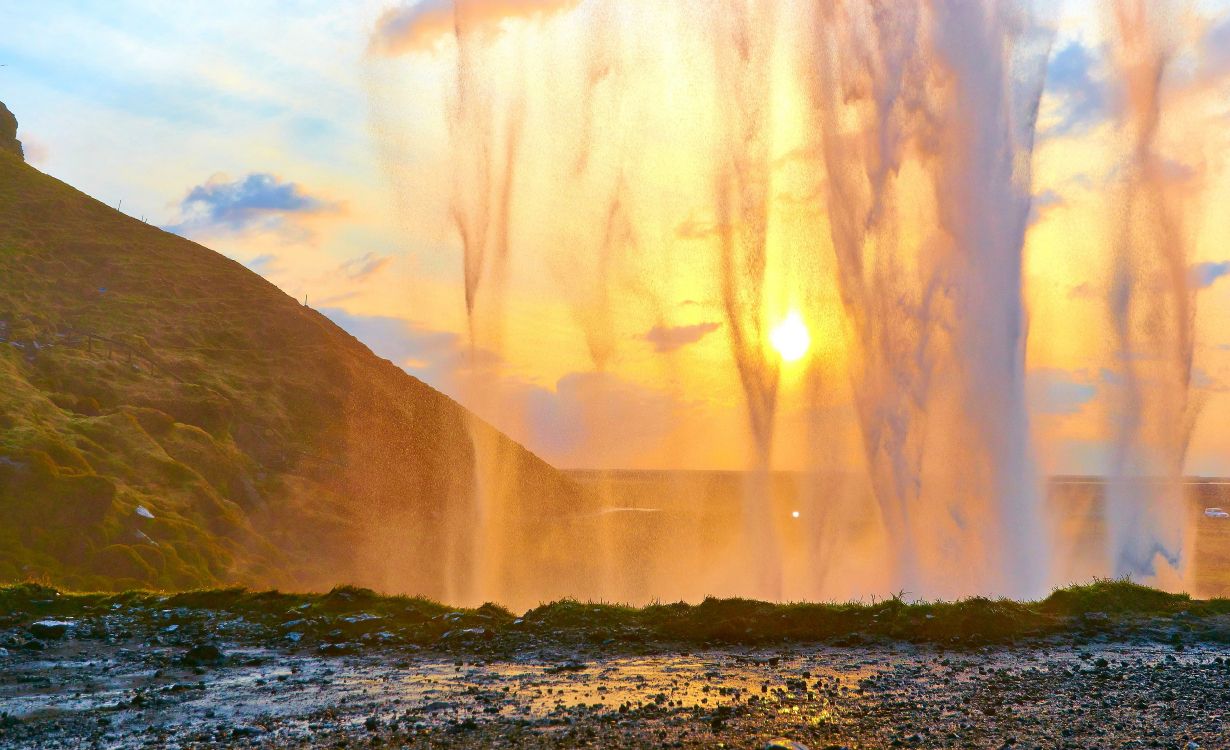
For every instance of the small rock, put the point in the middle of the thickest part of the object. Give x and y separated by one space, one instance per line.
204 654
784 744
571 665
247 731
52 630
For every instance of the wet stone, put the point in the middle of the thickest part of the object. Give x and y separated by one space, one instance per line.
51 630
247 731
204 655
784 744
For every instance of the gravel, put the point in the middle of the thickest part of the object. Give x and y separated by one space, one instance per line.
140 692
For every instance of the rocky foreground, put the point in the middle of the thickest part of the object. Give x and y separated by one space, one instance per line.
350 669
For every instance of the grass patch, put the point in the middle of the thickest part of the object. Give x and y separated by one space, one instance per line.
348 618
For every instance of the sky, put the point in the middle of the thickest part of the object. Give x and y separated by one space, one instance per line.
315 142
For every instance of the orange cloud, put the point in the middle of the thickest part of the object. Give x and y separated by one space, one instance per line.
413 27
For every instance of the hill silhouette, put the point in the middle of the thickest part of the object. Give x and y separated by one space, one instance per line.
170 419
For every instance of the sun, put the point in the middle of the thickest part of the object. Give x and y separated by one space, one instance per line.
790 337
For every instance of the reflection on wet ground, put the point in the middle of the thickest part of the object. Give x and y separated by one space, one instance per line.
1053 694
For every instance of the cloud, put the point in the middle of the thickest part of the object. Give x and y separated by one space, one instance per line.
256 201
1042 203
417 26
1178 173
365 266
1215 50
36 152
597 417
1059 392
1070 75
592 419
670 338
436 357
1204 380
261 263
1204 275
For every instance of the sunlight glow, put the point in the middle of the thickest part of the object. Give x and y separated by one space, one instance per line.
790 337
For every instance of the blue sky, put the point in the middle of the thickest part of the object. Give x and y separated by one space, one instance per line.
259 128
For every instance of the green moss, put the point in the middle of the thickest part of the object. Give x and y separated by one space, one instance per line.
265 439
715 621
1121 597
124 562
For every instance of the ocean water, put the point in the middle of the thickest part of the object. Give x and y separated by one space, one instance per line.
674 535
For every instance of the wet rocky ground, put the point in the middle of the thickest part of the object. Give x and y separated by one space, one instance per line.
1101 666
84 693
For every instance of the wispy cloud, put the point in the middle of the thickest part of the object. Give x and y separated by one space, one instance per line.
255 201
670 338
1042 203
262 263
1060 392
435 356
1204 275
586 419
599 419
417 26
1071 76
366 266
1215 50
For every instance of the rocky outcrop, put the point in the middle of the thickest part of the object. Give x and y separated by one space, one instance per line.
8 132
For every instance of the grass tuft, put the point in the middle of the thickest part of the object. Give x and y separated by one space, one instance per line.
351 615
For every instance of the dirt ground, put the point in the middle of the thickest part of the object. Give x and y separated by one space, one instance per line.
1058 693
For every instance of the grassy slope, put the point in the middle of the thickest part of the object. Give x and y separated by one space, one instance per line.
350 617
271 447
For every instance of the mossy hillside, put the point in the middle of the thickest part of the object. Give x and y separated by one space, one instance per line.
138 369
70 485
